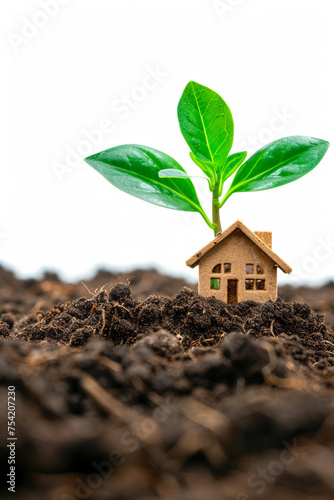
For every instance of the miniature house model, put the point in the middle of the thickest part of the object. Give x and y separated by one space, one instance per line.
239 265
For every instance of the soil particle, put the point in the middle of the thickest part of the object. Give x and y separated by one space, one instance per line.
4 329
121 294
162 343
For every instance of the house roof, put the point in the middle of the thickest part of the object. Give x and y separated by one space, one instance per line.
194 260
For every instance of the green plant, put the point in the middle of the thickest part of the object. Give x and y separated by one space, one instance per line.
207 125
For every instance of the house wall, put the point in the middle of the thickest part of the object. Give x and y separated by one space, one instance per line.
238 250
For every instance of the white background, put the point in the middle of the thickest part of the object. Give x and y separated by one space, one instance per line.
264 57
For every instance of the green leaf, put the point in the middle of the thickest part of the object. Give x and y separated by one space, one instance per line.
278 163
172 173
135 170
206 123
232 164
208 168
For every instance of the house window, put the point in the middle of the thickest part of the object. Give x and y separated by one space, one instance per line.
260 284
259 270
249 269
227 268
249 284
217 268
215 283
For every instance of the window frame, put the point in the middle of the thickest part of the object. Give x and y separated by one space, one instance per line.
264 285
253 284
218 280
219 266
229 271
252 267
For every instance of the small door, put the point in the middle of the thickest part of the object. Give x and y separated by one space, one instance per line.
232 292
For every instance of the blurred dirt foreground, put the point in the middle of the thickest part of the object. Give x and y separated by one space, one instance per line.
131 386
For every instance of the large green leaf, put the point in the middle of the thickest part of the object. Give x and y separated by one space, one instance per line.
135 170
279 163
206 123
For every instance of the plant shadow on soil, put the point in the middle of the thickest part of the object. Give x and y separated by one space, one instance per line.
122 396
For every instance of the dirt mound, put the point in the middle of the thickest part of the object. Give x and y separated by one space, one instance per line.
321 299
196 320
21 297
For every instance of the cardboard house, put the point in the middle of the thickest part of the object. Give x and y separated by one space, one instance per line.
239 265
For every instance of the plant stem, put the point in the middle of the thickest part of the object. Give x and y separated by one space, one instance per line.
226 197
215 210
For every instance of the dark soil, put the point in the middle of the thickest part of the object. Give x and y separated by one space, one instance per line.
194 320
124 396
